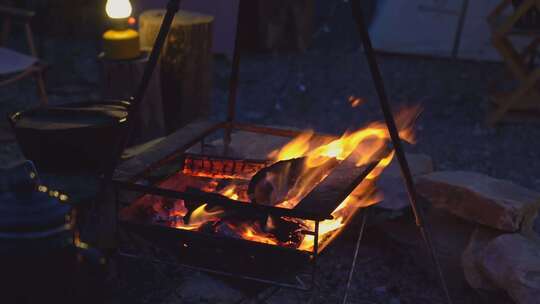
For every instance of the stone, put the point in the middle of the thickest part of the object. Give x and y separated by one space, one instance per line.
481 199
160 149
450 236
201 287
392 186
512 262
531 228
471 256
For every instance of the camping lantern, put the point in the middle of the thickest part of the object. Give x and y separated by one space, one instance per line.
120 42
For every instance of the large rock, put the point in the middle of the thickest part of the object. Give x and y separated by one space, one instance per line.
531 228
512 262
470 259
479 198
450 236
392 186
201 288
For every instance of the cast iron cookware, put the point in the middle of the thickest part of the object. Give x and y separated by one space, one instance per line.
73 137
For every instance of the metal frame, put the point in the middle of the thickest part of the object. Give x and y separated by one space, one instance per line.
224 202
173 7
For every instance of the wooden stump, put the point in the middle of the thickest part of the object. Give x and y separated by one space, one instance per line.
121 79
276 24
186 64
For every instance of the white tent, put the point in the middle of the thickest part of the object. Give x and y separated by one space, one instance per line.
432 27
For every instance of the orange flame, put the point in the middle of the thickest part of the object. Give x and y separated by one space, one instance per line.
362 146
253 232
230 192
199 217
295 148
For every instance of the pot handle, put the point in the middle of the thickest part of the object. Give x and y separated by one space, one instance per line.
12 119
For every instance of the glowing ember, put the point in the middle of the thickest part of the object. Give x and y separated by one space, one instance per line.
355 101
254 233
317 157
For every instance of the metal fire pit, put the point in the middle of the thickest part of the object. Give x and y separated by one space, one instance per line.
234 257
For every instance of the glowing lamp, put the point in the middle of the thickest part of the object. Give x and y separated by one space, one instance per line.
120 42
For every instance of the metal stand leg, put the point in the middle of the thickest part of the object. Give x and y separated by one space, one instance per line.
233 84
459 30
396 141
315 292
356 250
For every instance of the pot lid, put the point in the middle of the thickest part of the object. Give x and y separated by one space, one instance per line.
72 116
26 205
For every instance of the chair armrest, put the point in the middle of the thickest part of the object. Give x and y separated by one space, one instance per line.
21 14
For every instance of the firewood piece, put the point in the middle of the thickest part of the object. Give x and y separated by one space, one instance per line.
179 141
186 64
286 23
282 180
335 188
271 185
220 167
276 24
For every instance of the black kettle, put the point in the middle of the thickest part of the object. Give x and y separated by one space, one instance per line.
38 259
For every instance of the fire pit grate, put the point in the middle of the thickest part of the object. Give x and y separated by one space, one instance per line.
219 249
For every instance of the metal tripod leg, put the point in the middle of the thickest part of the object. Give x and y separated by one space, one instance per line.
233 83
396 141
105 225
356 250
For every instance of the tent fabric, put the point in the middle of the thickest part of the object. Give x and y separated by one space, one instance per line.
429 27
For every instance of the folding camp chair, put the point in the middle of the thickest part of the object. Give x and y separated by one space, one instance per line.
15 66
523 22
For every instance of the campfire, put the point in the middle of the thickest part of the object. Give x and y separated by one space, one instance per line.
292 178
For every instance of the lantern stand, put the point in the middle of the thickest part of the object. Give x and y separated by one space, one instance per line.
173 6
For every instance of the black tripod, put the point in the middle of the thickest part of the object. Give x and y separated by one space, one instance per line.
173 7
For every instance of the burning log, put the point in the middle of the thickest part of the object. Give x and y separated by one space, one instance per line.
206 166
336 187
285 179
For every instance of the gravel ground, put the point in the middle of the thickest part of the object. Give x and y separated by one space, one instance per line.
310 91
